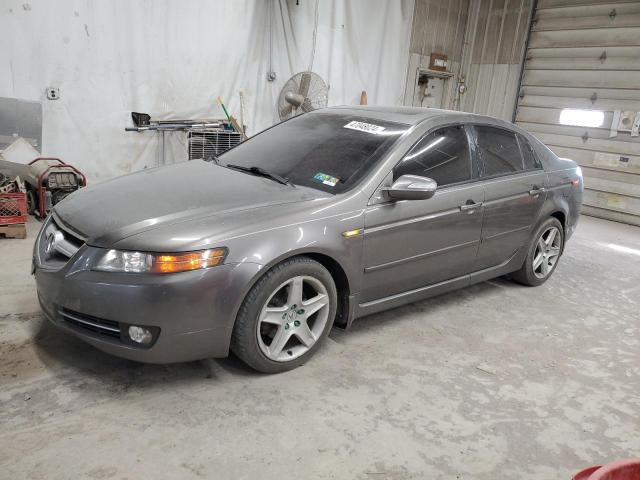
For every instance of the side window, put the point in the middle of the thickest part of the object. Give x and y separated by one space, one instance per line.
531 162
499 150
442 155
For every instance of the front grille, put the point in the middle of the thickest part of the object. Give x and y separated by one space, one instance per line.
98 326
57 245
205 144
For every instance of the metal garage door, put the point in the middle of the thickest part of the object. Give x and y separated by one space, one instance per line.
580 94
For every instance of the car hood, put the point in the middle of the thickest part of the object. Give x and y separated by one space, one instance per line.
109 212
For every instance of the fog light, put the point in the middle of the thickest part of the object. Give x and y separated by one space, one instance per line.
140 335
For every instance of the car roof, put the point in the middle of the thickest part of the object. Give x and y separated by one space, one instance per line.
408 115
415 115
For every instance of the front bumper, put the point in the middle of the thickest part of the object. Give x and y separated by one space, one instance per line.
191 312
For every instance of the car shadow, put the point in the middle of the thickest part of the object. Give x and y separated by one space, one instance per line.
68 357
432 305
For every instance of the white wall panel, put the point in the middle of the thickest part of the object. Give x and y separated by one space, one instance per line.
577 12
588 78
173 58
584 103
602 147
573 92
592 63
584 37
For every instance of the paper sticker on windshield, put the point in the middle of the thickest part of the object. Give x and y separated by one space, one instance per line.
326 179
364 127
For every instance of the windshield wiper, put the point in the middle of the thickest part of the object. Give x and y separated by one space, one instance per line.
262 172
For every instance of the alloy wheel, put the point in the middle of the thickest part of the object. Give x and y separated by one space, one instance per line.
547 252
293 318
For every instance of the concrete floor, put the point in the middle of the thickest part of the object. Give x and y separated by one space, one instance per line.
494 381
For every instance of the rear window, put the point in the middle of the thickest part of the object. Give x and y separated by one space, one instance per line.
499 151
331 152
531 161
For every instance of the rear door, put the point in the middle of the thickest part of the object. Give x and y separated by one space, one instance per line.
414 243
514 191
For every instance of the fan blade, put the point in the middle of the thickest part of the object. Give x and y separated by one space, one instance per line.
286 111
305 81
306 105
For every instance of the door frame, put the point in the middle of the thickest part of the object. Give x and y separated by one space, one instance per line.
377 200
506 177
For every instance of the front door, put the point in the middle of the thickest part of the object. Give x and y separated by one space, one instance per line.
414 243
514 194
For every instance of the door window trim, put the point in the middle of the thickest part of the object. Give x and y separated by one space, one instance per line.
475 165
521 139
480 160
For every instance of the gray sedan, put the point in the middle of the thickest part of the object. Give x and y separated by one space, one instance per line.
324 218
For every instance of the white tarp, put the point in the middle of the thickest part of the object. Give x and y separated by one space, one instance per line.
172 58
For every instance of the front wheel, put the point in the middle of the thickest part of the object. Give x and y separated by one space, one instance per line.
543 255
285 316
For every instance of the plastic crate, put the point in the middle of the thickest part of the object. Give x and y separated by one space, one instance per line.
13 208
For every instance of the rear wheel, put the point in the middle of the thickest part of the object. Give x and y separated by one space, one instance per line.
285 316
543 255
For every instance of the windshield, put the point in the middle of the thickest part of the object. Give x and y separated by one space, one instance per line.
331 152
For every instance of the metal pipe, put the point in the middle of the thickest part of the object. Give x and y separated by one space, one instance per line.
171 126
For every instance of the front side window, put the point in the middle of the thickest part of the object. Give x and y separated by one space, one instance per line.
331 152
499 151
442 155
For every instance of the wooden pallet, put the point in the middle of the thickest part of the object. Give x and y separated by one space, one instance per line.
16 230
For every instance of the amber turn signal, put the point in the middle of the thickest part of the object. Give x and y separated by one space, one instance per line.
352 233
182 262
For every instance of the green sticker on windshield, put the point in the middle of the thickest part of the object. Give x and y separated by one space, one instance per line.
326 179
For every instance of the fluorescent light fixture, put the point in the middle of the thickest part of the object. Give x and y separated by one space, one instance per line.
581 118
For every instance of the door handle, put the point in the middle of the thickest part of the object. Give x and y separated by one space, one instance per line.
470 205
536 191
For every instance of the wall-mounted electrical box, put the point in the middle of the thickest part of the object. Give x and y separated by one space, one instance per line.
53 93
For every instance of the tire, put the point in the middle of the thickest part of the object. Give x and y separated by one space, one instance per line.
535 270
285 316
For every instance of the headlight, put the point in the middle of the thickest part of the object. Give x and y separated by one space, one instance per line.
142 262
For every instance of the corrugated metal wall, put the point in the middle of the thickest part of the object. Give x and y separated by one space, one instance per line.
583 62
484 40
496 34
438 27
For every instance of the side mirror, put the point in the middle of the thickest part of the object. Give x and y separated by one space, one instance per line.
412 187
